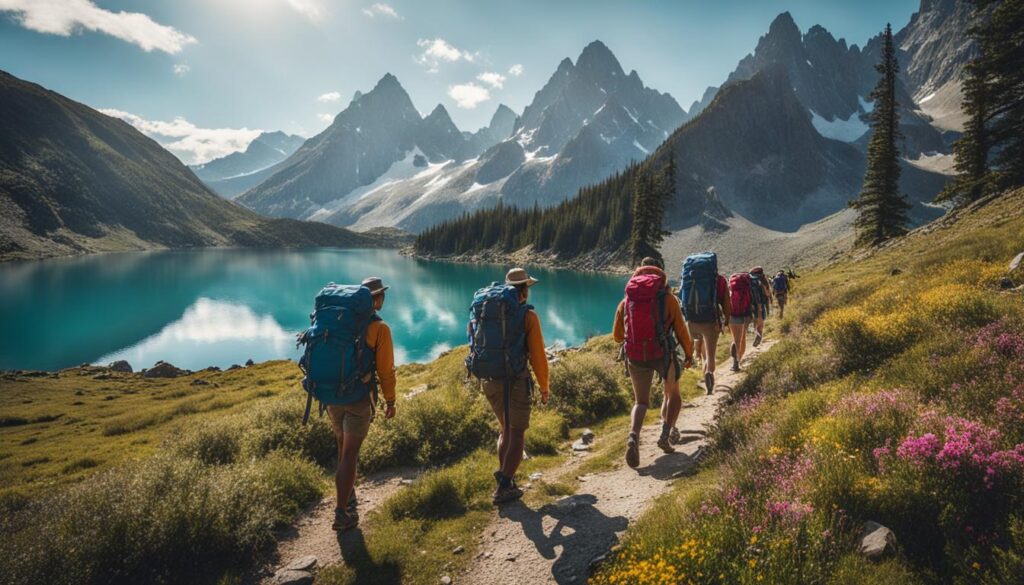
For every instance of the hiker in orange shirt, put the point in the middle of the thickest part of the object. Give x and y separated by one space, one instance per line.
649 323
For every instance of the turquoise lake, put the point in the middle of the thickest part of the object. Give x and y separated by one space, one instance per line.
221 307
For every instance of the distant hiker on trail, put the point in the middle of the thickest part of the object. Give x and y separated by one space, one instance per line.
760 301
702 293
348 351
780 288
741 315
649 323
504 335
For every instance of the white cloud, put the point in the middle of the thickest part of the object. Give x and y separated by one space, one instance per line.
492 79
65 17
331 96
381 9
326 117
516 70
311 9
190 143
438 50
468 95
181 69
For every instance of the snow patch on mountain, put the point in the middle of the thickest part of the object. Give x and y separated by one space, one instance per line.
848 130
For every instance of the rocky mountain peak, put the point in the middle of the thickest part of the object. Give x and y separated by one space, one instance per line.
599 64
502 122
783 30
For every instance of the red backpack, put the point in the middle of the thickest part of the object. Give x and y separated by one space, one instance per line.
739 294
645 317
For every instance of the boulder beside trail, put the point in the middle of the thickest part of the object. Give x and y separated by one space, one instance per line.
121 366
877 542
163 369
1016 262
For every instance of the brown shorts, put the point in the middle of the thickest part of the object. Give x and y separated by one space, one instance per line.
351 419
709 332
520 401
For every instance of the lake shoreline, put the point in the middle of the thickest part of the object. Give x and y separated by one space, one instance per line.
595 262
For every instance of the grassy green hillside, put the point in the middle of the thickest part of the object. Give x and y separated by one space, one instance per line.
117 478
895 397
74 181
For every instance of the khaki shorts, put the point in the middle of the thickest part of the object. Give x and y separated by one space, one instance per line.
520 401
741 320
351 419
709 332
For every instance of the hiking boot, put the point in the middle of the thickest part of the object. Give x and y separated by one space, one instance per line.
344 521
709 383
673 436
757 340
735 362
665 445
633 451
507 494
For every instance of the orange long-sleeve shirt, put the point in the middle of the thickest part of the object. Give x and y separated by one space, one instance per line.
535 349
673 319
378 337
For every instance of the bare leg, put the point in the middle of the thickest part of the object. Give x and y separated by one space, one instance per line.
641 379
673 402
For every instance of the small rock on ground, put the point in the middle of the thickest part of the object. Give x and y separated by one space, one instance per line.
306 563
878 541
288 577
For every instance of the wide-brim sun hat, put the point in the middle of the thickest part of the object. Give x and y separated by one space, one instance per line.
375 284
518 276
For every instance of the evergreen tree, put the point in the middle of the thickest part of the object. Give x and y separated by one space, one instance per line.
972 148
990 153
881 209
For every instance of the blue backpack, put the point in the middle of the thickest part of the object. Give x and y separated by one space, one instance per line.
698 292
497 333
337 363
757 284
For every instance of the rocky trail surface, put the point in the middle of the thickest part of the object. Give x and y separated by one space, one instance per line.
558 542
555 543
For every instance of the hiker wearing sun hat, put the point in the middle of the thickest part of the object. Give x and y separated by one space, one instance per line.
505 338
349 353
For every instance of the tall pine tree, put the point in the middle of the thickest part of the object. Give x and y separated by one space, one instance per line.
990 153
881 209
652 191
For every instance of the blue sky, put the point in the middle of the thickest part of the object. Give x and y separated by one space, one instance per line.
206 75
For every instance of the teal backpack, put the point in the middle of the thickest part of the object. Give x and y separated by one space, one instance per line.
337 362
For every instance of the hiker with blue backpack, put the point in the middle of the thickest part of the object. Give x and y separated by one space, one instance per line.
780 288
505 338
649 325
704 296
348 352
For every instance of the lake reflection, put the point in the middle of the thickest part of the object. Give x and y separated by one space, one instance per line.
222 307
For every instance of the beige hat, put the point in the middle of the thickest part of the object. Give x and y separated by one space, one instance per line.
518 276
375 284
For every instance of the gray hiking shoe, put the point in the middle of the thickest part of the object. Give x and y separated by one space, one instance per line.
344 521
709 383
673 436
757 340
633 451
665 444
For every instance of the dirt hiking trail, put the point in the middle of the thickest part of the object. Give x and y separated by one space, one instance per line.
558 542
555 543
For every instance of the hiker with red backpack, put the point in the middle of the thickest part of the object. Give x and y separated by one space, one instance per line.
649 324
760 301
740 315
504 338
703 292
348 352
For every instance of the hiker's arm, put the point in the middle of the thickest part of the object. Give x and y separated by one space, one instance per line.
384 352
538 355
679 326
723 300
618 328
